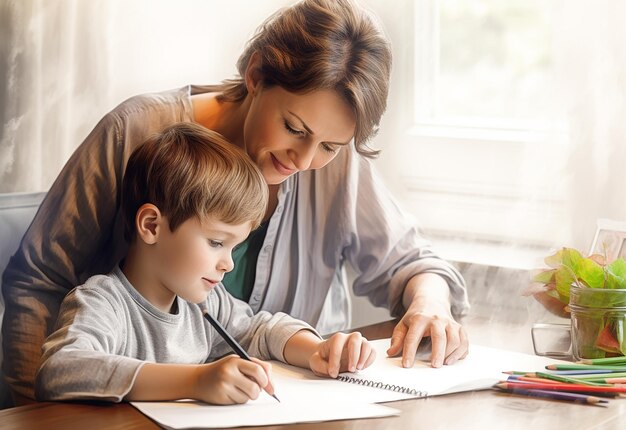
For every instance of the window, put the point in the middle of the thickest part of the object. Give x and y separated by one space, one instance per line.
484 64
483 134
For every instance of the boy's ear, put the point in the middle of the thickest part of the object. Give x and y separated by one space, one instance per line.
148 222
253 76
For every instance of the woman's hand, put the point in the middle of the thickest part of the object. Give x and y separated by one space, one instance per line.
428 315
341 353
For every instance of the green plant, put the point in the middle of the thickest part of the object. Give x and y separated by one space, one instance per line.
568 268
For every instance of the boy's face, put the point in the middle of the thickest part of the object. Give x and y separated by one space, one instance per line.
193 259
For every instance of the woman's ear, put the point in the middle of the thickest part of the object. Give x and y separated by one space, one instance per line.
253 76
148 222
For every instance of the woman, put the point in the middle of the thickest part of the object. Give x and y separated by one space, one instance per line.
314 79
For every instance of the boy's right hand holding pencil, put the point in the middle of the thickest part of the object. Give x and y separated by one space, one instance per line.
231 380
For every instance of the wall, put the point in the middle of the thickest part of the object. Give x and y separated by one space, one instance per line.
65 63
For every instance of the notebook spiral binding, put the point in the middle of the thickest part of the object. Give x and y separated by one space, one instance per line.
377 384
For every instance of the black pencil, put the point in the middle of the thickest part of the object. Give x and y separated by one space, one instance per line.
227 337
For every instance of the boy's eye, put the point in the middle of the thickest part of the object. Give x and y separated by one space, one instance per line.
215 243
292 130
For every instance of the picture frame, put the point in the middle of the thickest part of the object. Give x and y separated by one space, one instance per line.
610 239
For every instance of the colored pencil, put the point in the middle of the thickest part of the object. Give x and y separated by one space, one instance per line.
556 395
606 368
599 376
607 360
604 380
577 372
562 387
531 379
565 379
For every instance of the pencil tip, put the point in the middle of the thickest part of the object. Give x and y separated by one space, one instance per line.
274 396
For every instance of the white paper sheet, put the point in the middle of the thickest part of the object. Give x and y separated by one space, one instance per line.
187 414
307 398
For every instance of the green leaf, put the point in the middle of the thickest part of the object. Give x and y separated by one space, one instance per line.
618 267
563 278
598 258
615 282
572 259
591 273
545 276
555 260
616 274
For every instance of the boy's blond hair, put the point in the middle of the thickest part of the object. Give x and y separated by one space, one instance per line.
188 170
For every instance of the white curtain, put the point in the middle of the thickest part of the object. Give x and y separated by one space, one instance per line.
54 62
591 59
65 63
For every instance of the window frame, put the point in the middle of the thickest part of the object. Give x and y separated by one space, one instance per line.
458 204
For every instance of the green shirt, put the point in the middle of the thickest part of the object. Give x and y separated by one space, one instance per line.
240 280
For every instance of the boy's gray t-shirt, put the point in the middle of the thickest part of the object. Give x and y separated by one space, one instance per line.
106 331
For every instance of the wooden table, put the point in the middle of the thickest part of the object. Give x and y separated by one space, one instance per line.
482 410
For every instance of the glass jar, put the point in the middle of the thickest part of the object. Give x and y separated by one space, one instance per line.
598 322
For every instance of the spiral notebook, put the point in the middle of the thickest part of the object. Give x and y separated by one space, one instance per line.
387 380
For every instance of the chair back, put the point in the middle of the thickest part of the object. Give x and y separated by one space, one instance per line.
17 210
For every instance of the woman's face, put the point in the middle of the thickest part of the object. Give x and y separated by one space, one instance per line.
285 133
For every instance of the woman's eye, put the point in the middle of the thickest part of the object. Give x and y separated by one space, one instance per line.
326 147
292 130
215 243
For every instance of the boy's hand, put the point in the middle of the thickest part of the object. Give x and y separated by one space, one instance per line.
342 353
233 380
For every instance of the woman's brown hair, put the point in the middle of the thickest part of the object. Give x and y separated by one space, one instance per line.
188 170
323 44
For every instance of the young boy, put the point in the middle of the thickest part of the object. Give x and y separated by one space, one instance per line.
138 333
